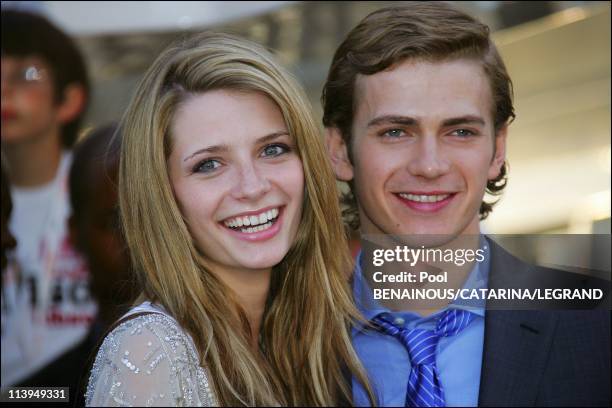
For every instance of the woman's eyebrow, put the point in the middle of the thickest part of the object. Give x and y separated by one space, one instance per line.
210 149
223 148
272 136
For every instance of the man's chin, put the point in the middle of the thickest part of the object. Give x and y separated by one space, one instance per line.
425 234
427 240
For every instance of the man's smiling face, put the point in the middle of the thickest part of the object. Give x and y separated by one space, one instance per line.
423 147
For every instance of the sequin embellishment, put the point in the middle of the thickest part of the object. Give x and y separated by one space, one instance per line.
146 361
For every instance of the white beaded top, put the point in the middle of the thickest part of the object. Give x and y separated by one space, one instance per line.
148 361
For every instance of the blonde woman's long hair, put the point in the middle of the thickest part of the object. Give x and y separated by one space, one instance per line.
305 355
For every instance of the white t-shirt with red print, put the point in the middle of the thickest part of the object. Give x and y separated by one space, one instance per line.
46 305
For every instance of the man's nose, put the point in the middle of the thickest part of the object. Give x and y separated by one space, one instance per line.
429 160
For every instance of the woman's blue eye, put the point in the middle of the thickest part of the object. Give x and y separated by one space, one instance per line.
207 166
274 150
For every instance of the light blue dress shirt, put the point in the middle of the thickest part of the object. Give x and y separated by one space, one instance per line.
386 360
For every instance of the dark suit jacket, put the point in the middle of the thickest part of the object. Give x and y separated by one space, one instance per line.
544 357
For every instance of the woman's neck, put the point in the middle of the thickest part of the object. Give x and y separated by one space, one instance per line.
251 287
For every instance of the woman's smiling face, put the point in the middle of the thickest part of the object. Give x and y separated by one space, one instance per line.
237 178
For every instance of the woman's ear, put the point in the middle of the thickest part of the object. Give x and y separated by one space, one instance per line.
338 154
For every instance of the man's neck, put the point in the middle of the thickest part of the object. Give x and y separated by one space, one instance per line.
34 163
455 274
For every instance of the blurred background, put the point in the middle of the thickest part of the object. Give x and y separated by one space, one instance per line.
558 55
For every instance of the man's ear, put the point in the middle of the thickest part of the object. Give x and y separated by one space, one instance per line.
338 154
500 153
72 103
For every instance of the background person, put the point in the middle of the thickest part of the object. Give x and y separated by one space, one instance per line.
44 95
95 232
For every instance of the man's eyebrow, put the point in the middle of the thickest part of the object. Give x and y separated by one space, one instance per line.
223 148
464 120
392 119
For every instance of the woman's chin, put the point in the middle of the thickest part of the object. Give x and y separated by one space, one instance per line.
263 262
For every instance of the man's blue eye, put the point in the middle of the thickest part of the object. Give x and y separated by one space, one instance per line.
393 133
207 166
463 133
274 150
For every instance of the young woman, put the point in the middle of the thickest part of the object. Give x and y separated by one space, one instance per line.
230 211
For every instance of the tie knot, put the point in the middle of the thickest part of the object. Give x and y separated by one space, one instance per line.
420 343
453 321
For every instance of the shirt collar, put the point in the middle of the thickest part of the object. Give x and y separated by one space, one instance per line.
477 279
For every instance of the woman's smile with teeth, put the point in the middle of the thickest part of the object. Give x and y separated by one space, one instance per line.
253 223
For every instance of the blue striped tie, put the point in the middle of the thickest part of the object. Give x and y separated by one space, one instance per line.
424 388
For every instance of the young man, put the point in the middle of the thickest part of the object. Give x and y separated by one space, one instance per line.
417 106
44 96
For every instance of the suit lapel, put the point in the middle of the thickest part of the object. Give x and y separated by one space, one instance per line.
516 348
516 344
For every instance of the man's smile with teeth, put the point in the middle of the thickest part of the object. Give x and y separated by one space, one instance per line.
424 198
